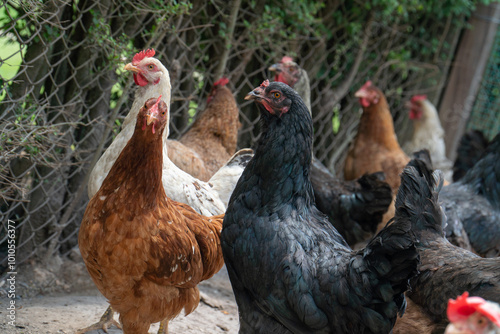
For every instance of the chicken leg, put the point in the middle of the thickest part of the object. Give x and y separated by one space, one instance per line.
104 323
163 327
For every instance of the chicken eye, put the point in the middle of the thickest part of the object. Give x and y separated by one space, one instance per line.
276 95
151 66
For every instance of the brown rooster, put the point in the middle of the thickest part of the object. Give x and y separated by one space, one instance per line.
211 140
376 147
145 252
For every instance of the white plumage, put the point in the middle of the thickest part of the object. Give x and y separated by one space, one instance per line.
203 197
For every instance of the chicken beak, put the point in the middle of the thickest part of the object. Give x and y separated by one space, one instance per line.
154 112
132 68
254 94
361 93
409 105
151 117
275 68
452 329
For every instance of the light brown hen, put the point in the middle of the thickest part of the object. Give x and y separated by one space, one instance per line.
375 147
145 252
211 140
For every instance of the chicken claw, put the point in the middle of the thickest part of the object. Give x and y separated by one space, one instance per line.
104 323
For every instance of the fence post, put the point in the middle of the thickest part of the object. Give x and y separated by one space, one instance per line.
472 56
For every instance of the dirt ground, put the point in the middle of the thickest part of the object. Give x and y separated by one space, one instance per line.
64 299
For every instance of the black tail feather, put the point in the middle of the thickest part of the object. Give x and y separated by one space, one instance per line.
417 198
392 254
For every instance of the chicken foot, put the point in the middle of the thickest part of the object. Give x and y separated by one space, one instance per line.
104 323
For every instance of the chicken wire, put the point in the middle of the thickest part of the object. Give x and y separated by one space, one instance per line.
485 115
63 105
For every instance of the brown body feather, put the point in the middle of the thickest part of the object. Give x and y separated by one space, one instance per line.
145 252
211 141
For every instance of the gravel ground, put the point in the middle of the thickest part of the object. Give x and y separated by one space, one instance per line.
64 299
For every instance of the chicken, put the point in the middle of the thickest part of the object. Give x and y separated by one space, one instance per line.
355 208
445 271
428 133
290 270
145 252
153 80
289 72
375 147
211 139
470 149
473 315
474 203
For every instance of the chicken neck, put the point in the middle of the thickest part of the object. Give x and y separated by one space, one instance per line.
376 125
287 143
136 174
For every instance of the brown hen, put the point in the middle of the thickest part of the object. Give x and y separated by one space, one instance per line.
211 140
145 252
376 147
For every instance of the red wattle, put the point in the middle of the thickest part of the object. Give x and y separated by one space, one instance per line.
364 102
281 78
140 80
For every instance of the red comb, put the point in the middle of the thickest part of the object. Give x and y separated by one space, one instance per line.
265 83
464 306
367 84
286 59
416 98
158 100
221 82
143 54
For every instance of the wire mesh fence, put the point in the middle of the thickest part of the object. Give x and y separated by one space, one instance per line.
65 93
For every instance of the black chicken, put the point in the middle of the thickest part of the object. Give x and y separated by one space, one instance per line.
470 149
474 202
454 230
446 271
354 207
290 270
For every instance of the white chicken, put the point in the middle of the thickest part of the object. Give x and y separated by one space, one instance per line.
428 134
153 80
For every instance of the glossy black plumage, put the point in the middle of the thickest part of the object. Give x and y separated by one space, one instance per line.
474 202
470 149
446 270
355 208
290 270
